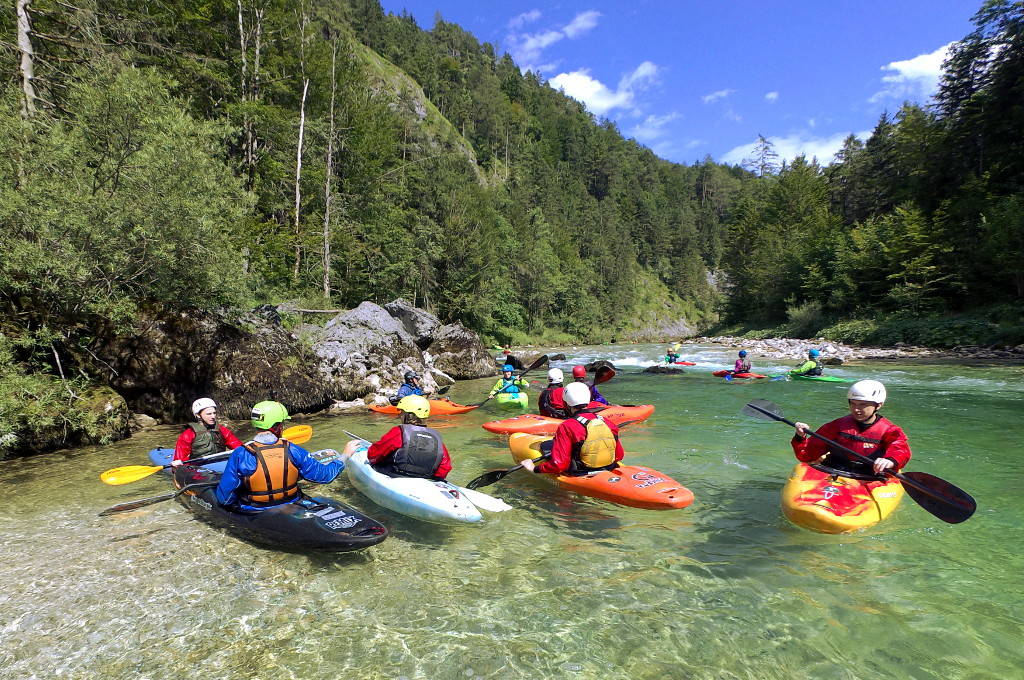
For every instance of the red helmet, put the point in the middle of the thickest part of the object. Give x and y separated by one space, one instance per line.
579 371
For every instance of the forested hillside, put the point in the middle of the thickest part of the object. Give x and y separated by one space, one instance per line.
923 219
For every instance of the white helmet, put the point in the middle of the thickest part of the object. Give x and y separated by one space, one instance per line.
199 404
576 394
867 390
555 375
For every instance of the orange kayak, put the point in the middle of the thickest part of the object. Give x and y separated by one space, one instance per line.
632 485
438 407
531 423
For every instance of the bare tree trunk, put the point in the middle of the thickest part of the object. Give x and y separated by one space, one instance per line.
298 181
28 104
329 173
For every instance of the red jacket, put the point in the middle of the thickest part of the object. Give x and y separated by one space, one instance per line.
570 433
881 439
551 402
183 447
392 441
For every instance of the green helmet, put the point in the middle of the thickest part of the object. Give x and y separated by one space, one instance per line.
266 414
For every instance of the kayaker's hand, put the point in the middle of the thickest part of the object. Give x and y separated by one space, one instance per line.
177 463
802 429
882 464
528 465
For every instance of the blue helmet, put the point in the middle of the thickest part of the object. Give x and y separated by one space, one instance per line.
813 353
743 353
508 367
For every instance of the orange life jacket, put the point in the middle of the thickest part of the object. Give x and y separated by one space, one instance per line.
276 479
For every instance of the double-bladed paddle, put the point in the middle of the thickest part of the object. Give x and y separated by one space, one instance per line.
297 434
142 502
541 360
947 502
488 478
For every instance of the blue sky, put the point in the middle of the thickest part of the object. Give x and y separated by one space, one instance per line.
689 78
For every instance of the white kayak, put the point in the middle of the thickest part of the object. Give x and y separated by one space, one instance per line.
425 499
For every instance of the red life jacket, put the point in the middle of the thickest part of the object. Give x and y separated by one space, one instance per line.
867 442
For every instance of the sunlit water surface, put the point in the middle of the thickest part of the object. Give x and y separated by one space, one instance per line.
562 586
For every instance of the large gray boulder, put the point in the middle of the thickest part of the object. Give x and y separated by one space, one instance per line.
421 325
460 353
366 350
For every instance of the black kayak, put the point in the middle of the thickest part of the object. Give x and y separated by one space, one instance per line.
310 523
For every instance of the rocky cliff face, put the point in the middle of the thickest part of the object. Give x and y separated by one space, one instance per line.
170 360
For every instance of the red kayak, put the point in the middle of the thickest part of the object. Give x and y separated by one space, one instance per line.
722 374
531 423
685 363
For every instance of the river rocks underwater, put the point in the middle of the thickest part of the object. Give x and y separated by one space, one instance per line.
562 586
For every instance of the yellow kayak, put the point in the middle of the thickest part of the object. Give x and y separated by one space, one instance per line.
822 502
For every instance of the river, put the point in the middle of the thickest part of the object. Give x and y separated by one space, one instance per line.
562 586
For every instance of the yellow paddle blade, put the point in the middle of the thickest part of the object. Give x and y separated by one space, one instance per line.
128 474
298 434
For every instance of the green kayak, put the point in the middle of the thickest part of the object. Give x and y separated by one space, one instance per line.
823 378
513 400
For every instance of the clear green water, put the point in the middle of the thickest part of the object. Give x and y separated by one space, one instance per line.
562 586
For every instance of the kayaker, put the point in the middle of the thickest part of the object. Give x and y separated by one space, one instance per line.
864 431
584 442
508 383
579 374
551 401
742 363
672 355
205 436
411 385
411 449
508 358
810 367
266 471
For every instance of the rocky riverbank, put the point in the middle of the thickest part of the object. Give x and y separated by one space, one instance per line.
838 353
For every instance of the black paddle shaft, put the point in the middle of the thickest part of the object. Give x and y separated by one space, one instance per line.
957 497
132 505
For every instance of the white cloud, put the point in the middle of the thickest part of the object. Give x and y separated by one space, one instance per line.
771 96
652 127
592 92
524 18
526 48
811 122
694 143
598 97
788 148
733 116
715 96
912 78
581 23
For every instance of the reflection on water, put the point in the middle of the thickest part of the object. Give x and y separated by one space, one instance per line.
561 586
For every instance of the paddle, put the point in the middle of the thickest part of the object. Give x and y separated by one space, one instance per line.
947 502
541 360
488 478
443 390
297 434
132 505
477 498
603 374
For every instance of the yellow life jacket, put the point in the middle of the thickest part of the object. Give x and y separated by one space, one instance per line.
598 449
276 479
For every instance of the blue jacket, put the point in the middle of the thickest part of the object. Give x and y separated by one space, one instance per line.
596 396
242 463
406 389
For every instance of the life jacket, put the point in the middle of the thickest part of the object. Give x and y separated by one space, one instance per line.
866 442
420 454
276 479
597 451
744 367
817 370
551 403
508 386
207 441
